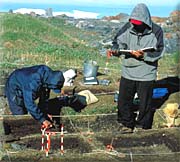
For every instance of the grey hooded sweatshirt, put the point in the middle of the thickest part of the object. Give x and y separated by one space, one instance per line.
144 69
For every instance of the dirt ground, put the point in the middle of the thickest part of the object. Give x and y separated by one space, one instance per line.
96 137
89 142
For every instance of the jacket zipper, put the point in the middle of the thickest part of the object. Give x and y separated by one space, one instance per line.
139 38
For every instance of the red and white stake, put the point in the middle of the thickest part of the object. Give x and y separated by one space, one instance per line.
43 129
62 140
48 143
48 134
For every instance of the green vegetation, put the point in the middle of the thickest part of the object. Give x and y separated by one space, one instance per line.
176 57
27 40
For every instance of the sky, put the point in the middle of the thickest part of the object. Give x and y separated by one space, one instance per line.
160 8
99 2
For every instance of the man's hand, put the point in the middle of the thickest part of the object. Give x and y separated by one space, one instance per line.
111 53
47 124
138 53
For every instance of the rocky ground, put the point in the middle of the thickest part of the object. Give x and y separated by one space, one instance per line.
106 28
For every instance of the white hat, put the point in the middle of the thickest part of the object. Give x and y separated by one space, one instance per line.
68 76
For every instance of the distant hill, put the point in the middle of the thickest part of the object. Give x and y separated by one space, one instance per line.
120 16
157 19
175 15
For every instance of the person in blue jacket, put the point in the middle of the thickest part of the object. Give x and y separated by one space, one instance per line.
26 85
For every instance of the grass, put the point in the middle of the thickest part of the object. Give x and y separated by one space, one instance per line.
28 40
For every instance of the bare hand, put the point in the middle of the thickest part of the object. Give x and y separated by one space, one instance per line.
47 124
49 116
138 53
111 53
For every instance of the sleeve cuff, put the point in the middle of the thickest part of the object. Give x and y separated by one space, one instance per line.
145 56
42 120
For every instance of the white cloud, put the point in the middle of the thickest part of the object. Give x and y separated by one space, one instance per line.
78 14
28 11
82 14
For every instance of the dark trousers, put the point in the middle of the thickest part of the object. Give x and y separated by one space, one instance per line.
16 104
126 115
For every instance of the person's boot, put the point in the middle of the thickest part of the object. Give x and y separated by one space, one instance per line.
125 130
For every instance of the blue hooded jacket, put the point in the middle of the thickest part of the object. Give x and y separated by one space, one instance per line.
25 85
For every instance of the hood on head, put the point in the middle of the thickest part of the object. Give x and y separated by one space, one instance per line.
141 13
55 81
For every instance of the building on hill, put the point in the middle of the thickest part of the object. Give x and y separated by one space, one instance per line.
49 12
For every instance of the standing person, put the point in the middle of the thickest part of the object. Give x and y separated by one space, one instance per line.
139 68
26 85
